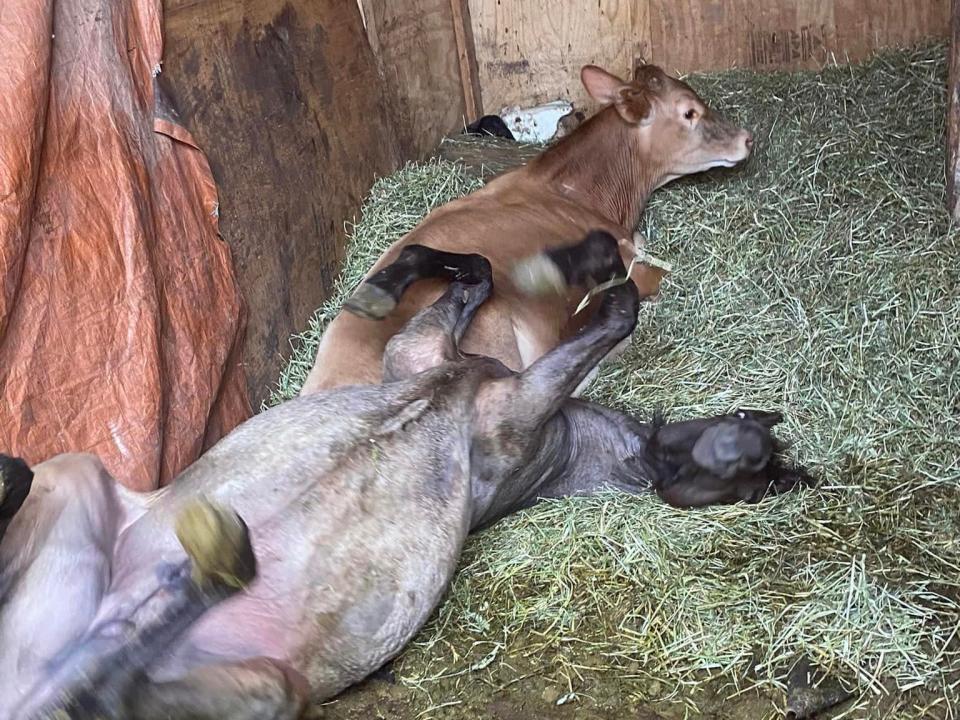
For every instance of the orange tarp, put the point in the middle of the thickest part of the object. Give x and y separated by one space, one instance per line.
120 316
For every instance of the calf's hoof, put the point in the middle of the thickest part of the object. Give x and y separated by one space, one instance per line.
370 302
217 542
16 477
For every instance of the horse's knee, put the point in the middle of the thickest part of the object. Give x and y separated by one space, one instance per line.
72 501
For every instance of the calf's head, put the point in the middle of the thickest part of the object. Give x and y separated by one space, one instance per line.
674 125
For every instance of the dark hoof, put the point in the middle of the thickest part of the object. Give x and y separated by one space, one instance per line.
620 307
370 302
16 477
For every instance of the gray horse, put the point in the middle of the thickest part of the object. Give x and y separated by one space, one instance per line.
355 505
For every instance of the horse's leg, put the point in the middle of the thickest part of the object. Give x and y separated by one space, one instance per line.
256 689
538 392
100 674
595 260
432 335
379 294
16 477
55 565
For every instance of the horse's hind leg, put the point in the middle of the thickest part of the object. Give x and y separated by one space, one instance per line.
538 392
55 565
379 294
100 674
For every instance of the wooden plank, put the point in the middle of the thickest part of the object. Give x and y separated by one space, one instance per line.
285 99
640 33
711 35
417 52
530 51
467 60
953 116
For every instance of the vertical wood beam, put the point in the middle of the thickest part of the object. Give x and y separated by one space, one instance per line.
953 116
467 58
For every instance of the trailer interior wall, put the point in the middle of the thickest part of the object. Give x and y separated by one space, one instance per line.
299 106
531 51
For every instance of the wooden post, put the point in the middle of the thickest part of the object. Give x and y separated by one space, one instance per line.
467 57
953 115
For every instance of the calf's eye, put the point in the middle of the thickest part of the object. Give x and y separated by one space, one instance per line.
690 114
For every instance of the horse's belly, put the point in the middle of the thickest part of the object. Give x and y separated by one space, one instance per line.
336 610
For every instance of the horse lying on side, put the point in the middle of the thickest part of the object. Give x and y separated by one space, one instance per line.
355 504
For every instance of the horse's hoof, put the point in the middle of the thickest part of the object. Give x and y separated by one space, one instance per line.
370 302
538 275
218 544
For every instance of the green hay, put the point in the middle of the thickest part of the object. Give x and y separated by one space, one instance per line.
822 279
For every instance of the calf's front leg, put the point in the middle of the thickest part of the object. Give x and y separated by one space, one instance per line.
379 294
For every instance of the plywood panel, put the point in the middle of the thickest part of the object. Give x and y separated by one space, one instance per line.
416 46
530 51
285 98
863 25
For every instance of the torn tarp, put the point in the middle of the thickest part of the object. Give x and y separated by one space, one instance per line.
120 317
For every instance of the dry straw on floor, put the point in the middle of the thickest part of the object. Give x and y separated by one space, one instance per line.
821 279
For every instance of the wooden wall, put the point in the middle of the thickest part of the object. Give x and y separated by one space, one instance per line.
416 46
531 51
300 105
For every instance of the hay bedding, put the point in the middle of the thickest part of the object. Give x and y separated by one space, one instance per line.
822 278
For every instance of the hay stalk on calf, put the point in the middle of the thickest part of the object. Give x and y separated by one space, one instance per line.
821 279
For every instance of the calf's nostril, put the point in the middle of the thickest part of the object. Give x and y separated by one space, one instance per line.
748 141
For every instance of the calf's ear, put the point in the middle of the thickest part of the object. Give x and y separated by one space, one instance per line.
602 86
632 102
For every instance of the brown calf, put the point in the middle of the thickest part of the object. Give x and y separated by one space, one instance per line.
653 130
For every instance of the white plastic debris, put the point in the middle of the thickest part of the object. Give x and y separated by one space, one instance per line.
536 124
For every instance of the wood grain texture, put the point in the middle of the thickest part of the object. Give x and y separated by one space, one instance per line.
416 49
953 116
466 59
530 51
285 98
